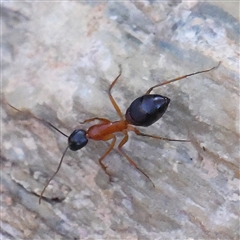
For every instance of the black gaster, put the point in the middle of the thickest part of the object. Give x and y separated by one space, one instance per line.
77 139
146 110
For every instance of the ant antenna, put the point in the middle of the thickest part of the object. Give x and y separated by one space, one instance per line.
76 141
39 119
55 128
51 178
60 163
179 78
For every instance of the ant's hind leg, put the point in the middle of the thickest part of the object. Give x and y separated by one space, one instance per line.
124 140
131 128
106 153
180 78
115 105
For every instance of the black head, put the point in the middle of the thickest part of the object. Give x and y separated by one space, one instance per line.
77 139
146 110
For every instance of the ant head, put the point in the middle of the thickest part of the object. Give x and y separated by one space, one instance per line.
77 139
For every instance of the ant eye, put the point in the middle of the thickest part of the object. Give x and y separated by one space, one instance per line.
77 139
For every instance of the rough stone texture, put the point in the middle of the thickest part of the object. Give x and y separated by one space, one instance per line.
58 60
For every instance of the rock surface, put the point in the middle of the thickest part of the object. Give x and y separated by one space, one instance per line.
58 60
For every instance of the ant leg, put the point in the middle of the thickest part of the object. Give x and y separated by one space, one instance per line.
111 97
179 78
103 120
106 153
131 128
124 140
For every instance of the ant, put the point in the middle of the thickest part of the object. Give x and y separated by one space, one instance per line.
143 111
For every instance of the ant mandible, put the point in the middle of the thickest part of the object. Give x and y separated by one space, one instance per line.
143 111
